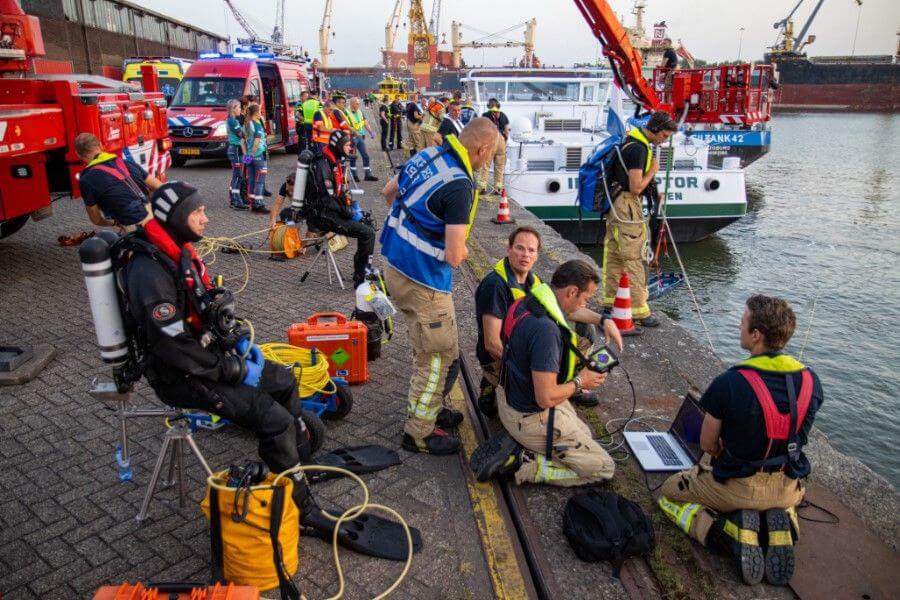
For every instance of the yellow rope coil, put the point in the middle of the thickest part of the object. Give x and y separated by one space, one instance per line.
311 377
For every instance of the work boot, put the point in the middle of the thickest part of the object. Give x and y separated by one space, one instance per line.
650 321
259 207
487 400
737 534
438 443
448 418
370 177
240 205
585 399
267 193
498 456
779 548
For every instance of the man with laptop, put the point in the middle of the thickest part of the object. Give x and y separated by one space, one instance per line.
758 417
541 368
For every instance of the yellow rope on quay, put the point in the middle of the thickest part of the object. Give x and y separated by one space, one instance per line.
311 378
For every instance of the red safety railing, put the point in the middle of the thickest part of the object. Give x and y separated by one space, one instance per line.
738 94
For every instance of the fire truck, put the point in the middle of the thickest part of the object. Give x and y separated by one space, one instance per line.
40 115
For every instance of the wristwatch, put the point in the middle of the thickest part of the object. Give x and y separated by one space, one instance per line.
577 382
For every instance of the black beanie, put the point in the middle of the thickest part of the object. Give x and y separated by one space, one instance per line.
172 203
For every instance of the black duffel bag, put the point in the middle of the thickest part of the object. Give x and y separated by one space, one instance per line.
603 525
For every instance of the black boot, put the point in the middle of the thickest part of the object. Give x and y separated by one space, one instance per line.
498 456
448 418
438 443
737 534
487 399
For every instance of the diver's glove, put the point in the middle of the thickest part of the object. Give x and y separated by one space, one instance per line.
254 361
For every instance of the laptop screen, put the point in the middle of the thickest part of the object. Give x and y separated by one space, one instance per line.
686 427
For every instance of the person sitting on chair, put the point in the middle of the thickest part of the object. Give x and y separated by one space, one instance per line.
197 354
329 205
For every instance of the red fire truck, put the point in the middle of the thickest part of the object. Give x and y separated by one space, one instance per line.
197 114
40 115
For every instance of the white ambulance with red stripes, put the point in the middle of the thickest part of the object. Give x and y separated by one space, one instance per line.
197 114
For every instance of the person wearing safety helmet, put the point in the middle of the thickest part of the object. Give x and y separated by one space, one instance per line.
331 207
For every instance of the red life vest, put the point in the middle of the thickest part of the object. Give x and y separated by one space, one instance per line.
778 425
194 275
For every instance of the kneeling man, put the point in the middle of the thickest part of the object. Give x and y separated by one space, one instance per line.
547 441
758 417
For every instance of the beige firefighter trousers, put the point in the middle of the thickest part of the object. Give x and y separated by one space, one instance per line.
761 491
626 234
433 337
499 163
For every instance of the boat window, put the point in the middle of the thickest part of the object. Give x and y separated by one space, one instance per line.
588 95
543 91
492 89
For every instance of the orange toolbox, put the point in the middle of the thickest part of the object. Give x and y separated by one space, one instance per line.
342 342
181 591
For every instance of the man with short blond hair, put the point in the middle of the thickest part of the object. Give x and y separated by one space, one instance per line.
433 203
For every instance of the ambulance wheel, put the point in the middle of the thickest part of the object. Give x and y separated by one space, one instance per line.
178 161
343 401
315 430
7 228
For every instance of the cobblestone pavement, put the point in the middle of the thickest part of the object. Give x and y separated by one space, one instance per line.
67 522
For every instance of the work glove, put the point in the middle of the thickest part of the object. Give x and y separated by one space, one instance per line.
247 160
254 361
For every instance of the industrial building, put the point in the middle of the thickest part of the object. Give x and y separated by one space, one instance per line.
94 36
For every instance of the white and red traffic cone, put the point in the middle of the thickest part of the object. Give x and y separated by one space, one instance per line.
503 217
621 310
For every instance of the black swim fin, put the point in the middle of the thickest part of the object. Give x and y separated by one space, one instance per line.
357 459
367 534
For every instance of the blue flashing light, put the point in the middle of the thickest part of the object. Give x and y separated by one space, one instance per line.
211 55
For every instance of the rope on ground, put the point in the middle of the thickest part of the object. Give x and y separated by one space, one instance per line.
309 367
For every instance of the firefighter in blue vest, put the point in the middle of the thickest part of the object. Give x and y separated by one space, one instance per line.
627 236
432 206
115 191
758 417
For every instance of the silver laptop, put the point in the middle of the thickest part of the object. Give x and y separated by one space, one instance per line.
673 450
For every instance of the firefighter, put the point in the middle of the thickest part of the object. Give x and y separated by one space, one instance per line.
114 190
310 106
758 417
414 116
329 203
626 230
300 122
499 118
360 127
324 122
546 441
433 203
199 355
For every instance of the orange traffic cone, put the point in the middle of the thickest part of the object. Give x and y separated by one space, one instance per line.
621 310
503 217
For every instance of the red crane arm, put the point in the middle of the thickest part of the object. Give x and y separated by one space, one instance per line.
624 58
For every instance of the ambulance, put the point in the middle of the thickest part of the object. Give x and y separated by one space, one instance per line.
197 114
169 69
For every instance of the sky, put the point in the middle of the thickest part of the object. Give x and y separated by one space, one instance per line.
710 29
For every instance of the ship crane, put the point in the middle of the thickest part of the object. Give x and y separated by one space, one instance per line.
278 30
527 43
787 43
390 36
434 23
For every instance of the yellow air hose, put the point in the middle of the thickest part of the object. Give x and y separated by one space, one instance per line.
311 377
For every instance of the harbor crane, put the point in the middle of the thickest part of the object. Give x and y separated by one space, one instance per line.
434 23
390 36
421 44
325 35
527 44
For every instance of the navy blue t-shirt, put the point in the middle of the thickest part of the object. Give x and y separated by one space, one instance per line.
115 198
535 345
730 399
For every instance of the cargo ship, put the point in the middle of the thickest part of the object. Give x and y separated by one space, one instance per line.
859 83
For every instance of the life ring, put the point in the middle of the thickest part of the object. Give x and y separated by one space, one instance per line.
285 240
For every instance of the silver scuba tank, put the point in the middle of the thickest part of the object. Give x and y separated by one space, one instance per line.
300 177
99 279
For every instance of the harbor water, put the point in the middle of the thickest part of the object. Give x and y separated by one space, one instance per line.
822 231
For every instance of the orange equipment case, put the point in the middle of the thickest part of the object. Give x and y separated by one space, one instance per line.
342 342
181 591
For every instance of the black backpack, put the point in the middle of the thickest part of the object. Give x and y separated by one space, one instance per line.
603 525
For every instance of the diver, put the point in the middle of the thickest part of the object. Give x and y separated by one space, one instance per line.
758 417
196 353
329 205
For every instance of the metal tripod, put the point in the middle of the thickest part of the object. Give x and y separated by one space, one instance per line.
178 433
324 249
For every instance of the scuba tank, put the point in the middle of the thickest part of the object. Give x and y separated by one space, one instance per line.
301 175
99 278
